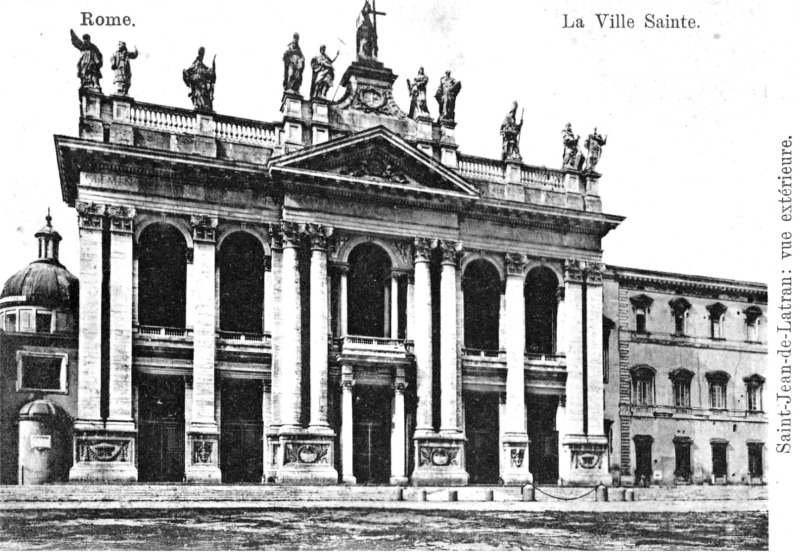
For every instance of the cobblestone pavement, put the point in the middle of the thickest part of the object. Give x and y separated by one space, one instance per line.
366 529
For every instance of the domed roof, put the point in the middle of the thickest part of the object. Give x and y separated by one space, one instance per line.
45 282
38 408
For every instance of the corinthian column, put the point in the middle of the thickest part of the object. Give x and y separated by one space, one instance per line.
319 325
291 339
423 340
449 339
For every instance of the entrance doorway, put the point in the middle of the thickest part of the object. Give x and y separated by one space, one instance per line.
241 439
372 435
644 459
482 428
543 461
683 460
755 461
719 460
161 428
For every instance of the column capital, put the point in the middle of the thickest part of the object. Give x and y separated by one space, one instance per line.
292 234
515 263
275 236
318 235
501 398
560 293
121 218
90 215
594 273
342 268
450 251
204 228
422 250
573 270
187 381
400 387
267 263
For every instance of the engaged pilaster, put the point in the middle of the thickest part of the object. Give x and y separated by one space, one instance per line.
346 435
449 339
203 430
291 337
318 237
398 448
423 341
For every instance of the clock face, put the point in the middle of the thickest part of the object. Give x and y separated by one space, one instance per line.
371 98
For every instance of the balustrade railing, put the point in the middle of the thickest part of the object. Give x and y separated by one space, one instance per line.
480 168
542 177
172 120
233 129
246 337
475 352
372 342
163 331
546 357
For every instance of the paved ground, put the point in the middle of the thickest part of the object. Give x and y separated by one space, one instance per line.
417 526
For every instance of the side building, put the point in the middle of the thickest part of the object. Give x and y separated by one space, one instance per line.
684 374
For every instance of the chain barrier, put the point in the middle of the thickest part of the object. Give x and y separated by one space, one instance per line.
593 490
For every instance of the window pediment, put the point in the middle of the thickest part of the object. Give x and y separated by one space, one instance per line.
752 314
641 301
718 376
716 309
681 374
679 305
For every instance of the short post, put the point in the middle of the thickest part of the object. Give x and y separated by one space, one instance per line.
630 494
601 494
528 493
423 495
452 495
398 494
488 495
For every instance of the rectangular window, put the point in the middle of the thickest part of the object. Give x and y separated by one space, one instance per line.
716 327
641 320
717 393
753 397
26 321
10 324
752 331
606 354
681 393
680 319
41 372
44 321
755 464
62 322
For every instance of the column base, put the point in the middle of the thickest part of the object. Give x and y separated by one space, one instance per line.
586 456
306 459
349 480
514 464
399 481
103 455
439 460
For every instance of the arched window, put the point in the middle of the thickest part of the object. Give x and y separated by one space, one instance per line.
718 389
681 387
755 384
643 385
481 286
162 276
541 305
241 283
368 291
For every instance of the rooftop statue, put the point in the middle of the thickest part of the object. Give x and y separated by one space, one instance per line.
293 65
201 80
594 145
89 64
446 95
322 73
510 131
573 158
418 91
367 31
120 63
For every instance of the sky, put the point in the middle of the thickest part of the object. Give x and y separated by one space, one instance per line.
694 118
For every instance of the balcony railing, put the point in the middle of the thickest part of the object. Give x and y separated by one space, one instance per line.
546 357
372 343
481 169
254 338
475 352
245 131
162 331
162 118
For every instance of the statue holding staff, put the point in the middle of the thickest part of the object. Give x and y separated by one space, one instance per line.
594 145
89 64
293 65
510 131
322 73
120 63
418 91
201 80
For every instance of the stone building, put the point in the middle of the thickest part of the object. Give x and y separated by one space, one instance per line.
344 296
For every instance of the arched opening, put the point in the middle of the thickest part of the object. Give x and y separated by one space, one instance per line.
482 288
368 291
541 306
162 277
241 283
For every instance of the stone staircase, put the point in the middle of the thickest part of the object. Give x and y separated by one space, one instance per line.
260 493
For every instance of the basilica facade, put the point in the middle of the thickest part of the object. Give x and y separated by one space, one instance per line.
343 296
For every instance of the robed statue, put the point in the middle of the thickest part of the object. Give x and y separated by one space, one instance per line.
367 33
446 95
418 92
201 80
293 65
594 145
572 158
89 64
510 131
322 73
121 64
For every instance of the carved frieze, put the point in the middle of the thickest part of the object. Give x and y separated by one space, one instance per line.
587 456
374 168
403 251
517 456
90 215
438 456
105 451
306 454
515 263
203 453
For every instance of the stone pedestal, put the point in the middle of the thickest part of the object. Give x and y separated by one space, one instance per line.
203 454
586 456
205 142
439 460
292 110
103 453
91 125
121 128
306 458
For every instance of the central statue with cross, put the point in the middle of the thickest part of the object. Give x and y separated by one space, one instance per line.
367 32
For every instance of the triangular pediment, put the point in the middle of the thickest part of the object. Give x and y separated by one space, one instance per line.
376 157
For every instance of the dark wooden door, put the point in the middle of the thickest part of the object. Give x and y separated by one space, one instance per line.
161 450
482 428
719 459
242 451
